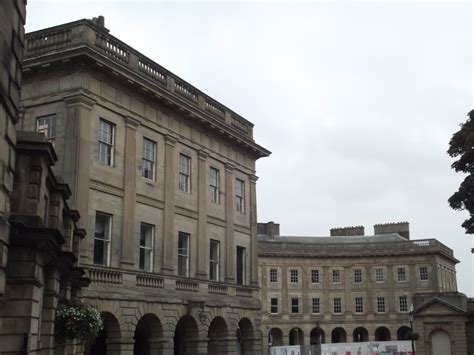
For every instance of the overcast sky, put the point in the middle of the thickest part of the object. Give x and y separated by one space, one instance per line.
356 100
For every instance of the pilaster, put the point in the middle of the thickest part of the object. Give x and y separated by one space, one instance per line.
202 215
253 232
229 214
130 187
168 256
77 151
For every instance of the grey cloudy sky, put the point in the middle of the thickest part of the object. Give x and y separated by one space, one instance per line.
356 100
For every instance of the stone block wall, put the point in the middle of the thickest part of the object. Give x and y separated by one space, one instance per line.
12 20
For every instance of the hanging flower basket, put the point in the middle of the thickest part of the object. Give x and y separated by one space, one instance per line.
78 322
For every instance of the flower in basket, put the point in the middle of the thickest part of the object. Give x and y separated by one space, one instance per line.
78 321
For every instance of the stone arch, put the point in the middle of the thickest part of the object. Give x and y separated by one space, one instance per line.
108 340
148 332
218 335
403 333
317 336
276 335
382 334
186 336
440 342
338 335
247 341
360 335
296 336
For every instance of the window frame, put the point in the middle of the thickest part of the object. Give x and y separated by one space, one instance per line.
184 183
315 276
424 275
337 305
50 132
106 241
243 273
184 256
146 250
214 264
382 274
214 186
380 304
359 305
404 303
109 146
295 306
400 273
336 276
239 192
357 276
316 305
273 275
149 160
274 307
294 276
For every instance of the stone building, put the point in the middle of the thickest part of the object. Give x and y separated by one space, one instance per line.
164 179
42 270
349 287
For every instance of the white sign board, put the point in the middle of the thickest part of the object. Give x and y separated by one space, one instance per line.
368 348
285 350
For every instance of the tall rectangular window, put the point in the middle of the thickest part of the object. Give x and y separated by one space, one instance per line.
424 273
148 159
274 305
359 305
241 269
357 276
214 185
315 276
214 251
185 173
294 275
47 126
337 303
379 275
401 274
106 142
381 304
183 254
147 232
295 305
336 276
240 195
103 228
273 275
316 306
403 304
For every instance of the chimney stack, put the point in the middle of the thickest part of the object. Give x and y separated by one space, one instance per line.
402 228
355 231
270 229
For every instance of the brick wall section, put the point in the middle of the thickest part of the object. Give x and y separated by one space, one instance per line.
12 20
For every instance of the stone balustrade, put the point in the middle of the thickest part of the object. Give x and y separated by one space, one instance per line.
150 281
104 276
85 35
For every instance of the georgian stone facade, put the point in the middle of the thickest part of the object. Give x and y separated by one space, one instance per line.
350 287
164 179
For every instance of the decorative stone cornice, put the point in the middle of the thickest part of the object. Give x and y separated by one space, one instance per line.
108 189
170 140
79 99
229 168
131 122
203 154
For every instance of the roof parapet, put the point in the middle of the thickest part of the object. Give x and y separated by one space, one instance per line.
353 231
402 228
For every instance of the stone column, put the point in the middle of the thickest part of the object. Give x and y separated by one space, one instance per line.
169 257
229 214
77 152
253 232
130 190
50 304
202 216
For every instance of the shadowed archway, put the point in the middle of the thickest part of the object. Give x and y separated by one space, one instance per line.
103 344
360 335
185 334
148 327
218 336
382 334
338 335
276 336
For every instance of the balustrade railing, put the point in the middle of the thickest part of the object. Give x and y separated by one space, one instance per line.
149 281
105 277
83 33
243 292
187 285
218 289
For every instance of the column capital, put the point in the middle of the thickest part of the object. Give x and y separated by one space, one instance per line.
170 139
253 179
131 122
203 154
80 99
229 168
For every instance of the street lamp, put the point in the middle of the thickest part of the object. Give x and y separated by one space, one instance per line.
412 335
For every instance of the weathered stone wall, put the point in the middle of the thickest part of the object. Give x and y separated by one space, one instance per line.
12 20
